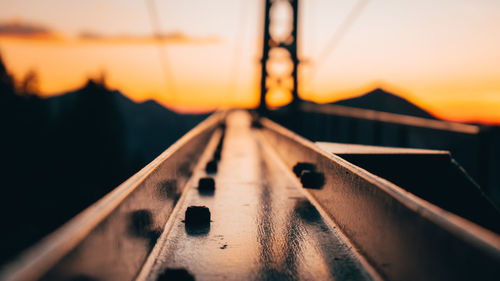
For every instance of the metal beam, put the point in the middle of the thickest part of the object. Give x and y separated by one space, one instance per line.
404 237
335 221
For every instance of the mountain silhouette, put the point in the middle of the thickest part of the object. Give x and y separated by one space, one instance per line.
382 100
61 154
148 127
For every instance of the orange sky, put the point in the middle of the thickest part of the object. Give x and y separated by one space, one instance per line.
444 57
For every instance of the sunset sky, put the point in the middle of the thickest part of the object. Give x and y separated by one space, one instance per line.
443 55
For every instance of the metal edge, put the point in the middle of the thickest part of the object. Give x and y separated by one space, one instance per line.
467 231
324 214
146 270
390 118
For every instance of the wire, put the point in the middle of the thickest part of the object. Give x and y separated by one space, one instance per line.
162 52
236 60
338 36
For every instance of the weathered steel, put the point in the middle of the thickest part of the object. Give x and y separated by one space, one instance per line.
404 237
111 239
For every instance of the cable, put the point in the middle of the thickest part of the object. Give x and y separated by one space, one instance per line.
337 36
162 52
235 63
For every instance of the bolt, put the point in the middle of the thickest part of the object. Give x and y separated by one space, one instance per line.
256 124
206 185
301 166
312 179
82 278
211 167
177 274
217 154
197 216
222 126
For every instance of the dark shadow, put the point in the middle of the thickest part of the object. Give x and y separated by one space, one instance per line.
303 166
197 230
140 223
307 211
168 190
83 278
175 274
206 186
141 226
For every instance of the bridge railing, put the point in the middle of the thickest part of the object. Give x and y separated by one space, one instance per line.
472 146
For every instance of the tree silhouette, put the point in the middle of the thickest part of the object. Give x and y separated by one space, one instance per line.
6 81
29 84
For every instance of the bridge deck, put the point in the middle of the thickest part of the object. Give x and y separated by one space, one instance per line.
282 209
263 225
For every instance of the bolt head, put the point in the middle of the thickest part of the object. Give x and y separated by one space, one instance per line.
178 274
197 216
211 167
206 184
312 179
302 166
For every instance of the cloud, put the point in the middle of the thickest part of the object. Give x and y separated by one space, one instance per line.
23 30
169 38
26 31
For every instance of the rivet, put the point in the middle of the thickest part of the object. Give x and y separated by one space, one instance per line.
301 166
197 216
206 186
312 179
177 274
211 167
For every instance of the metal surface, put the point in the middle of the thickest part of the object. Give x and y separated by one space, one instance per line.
263 226
389 118
351 225
343 148
432 175
401 235
471 145
112 238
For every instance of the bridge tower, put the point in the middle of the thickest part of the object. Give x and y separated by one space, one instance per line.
279 61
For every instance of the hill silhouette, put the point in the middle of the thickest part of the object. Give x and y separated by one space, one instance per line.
148 127
382 100
61 154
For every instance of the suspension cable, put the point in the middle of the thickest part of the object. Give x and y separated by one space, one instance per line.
162 52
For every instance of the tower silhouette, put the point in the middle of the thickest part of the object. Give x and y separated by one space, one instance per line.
279 48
